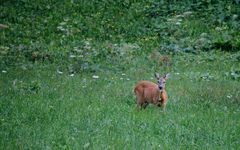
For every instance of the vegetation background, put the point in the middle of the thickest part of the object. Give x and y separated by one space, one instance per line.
68 68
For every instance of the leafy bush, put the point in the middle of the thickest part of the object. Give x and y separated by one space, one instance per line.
42 31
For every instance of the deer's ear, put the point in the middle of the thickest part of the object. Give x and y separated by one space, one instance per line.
166 76
157 75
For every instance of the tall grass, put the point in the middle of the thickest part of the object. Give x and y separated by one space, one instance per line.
68 69
47 110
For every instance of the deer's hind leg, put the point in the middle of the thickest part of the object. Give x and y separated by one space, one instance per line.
139 101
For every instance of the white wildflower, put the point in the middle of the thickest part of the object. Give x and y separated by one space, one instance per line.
86 145
59 72
95 77
187 13
179 16
72 56
178 23
218 29
235 17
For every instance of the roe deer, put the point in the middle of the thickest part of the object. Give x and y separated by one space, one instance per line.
148 92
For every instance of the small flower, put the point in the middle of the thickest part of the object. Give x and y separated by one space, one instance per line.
179 16
218 29
186 14
4 71
178 23
72 56
95 77
86 145
225 108
71 75
59 72
235 17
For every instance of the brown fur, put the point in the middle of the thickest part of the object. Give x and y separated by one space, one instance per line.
148 92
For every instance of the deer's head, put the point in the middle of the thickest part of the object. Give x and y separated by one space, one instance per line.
161 80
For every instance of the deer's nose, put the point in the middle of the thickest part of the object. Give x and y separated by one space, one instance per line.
160 88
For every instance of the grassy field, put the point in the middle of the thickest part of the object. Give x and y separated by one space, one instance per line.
68 69
41 109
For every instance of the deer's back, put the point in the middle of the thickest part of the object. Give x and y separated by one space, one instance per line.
147 90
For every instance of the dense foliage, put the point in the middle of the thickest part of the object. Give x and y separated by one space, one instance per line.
95 31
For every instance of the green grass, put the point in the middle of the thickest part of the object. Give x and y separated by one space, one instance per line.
64 112
122 42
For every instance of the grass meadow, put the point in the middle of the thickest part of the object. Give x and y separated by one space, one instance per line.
68 69
42 109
